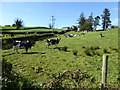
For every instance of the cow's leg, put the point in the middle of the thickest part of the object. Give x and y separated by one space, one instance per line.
47 45
17 51
26 49
56 45
13 50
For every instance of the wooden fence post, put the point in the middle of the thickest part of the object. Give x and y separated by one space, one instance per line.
104 72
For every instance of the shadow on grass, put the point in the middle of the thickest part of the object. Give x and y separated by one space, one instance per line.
7 54
64 48
24 53
34 53
102 36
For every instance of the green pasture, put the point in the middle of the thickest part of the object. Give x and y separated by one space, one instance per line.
32 30
88 50
3 27
27 29
14 28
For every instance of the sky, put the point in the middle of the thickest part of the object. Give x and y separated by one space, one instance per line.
65 13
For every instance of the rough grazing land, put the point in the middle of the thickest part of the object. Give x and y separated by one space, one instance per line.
82 53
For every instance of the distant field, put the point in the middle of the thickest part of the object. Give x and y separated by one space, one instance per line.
90 48
27 29
10 28
32 30
7 27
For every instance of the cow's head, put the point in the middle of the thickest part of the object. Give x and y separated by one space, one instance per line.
58 39
32 44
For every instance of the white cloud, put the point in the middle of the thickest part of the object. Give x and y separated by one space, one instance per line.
28 9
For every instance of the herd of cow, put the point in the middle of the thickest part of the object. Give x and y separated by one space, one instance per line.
17 44
28 44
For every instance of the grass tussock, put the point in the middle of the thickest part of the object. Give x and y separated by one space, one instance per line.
65 48
94 47
87 52
105 50
91 51
75 52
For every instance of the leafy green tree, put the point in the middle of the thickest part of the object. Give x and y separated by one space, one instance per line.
13 25
86 25
90 22
81 21
96 22
114 26
18 23
106 19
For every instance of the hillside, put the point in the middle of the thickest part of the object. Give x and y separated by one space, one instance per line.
89 50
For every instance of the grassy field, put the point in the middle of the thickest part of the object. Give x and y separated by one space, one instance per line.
32 30
14 28
82 53
21 33
27 29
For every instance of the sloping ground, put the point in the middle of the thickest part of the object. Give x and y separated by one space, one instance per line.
82 53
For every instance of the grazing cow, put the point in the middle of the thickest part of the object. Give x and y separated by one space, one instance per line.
71 35
66 35
53 41
22 44
78 34
83 34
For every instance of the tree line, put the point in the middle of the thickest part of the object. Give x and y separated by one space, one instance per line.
84 23
91 23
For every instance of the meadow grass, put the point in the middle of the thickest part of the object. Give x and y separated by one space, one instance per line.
52 60
31 30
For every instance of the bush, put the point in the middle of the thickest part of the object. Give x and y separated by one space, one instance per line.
68 79
113 26
105 50
93 52
65 48
83 47
11 80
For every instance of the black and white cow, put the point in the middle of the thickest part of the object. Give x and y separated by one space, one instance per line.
52 41
22 44
69 35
